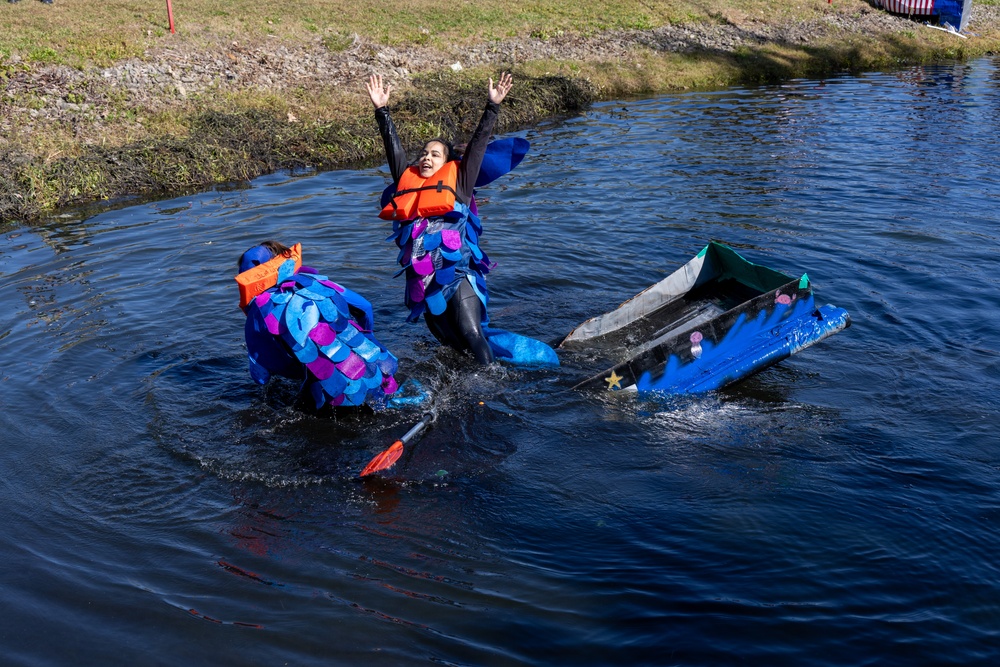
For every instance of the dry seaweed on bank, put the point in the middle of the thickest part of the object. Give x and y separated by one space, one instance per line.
240 144
449 104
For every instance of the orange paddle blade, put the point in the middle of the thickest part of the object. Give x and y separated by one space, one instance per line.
384 460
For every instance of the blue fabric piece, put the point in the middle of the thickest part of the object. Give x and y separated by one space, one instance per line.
318 395
350 336
307 353
328 310
387 364
954 12
266 355
500 158
373 382
336 351
334 385
435 302
432 241
521 350
254 257
259 374
286 270
451 255
445 275
367 350
357 301
292 320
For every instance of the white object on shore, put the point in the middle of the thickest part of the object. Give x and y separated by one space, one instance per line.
949 29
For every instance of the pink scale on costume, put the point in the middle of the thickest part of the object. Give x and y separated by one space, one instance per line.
451 239
321 367
353 367
262 299
331 285
424 266
418 228
416 288
322 334
389 385
272 324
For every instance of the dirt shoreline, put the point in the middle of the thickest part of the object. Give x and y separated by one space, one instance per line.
250 142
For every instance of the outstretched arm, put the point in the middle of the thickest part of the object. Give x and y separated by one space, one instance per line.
394 153
476 148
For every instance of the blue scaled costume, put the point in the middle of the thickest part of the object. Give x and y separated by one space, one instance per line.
438 238
308 328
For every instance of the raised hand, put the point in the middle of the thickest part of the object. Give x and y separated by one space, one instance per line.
380 93
503 87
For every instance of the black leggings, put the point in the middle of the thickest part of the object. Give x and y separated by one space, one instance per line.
459 326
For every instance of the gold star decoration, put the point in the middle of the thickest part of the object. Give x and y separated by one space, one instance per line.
614 382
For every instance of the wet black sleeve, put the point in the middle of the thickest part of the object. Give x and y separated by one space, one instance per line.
468 172
394 152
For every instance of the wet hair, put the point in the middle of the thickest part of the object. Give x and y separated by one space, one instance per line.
452 154
273 247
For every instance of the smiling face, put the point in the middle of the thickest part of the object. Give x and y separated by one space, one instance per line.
432 158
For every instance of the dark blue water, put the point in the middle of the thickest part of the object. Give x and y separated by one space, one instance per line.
841 508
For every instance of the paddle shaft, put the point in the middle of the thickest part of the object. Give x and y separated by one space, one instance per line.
417 428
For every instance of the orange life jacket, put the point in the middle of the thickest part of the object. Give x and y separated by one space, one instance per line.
264 276
417 197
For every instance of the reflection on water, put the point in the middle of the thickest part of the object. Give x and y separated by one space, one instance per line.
163 508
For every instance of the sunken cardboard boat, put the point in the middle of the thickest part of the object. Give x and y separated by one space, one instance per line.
713 322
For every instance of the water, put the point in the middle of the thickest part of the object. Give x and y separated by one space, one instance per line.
839 508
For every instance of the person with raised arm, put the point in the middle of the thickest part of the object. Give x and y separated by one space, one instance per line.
436 226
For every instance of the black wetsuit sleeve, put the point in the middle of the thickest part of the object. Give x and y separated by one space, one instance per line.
468 171
394 152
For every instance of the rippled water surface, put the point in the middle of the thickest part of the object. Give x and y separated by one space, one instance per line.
840 508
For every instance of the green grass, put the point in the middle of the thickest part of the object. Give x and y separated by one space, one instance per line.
99 32
113 147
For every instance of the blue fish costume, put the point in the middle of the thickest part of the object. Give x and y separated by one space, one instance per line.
303 326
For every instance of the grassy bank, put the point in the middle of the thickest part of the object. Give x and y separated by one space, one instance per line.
91 112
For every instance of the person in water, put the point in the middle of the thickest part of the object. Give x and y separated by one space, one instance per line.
305 327
436 227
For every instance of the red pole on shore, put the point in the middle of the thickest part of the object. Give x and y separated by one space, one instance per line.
170 16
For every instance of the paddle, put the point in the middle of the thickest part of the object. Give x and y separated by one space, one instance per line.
387 458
